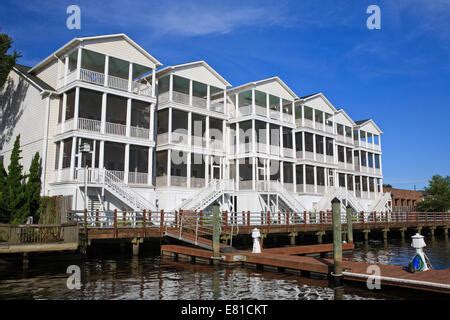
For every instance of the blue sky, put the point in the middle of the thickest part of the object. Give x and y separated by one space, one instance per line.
399 75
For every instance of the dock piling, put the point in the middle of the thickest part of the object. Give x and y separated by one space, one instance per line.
337 242
216 235
349 215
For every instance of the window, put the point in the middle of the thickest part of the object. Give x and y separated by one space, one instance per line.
140 114
310 175
329 142
260 98
116 109
58 146
340 129
319 144
341 180
364 183
67 152
163 84
349 155
299 174
328 120
287 172
362 136
309 143
60 109
90 104
298 142
364 158
138 161
377 161
287 138
70 104
274 103
341 154
319 116
370 158
349 182
308 113
348 132
320 176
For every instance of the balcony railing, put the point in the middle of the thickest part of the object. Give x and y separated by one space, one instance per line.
116 129
137 132
138 177
217 107
89 125
114 82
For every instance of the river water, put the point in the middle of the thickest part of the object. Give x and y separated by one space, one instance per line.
112 276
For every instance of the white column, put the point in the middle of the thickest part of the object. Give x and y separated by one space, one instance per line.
170 125
253 102
63 115
303 145
293 112
191 91
150 167
171 87
207 168
294 147
128 119
368 187
345 157
188 165
101 155
189 128
60 158
77 107
208 97
207 136
315 179
294 171
66 69
303 115
72 158
253 173
237 174
225 143
345 181
103 113
281 164
225 104
237 138
314 147
354 185
281 109
281 151
126 165
152 122
169 168
79 62
314 118
335 158
325 176
154 82
94 151
254 136
130 77
267 105
106 72
267 138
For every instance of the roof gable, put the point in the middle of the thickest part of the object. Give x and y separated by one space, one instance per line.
199 71
343 118
370 126
320 102
274 86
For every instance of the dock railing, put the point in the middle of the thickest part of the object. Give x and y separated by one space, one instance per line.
39 234
200 222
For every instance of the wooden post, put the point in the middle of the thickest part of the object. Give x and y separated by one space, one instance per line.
201 218
243 218
161 222
349 213
97 218
176 218
287 217
248 218
115 223
216 235
225 218
337 242
268 218
144 218
262 218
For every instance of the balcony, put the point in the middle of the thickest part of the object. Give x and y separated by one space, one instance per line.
135 178
90 125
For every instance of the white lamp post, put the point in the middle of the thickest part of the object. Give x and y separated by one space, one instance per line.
256 245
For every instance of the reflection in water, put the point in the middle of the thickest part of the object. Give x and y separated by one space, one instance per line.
119 277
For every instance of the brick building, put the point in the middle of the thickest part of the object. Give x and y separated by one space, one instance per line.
404 200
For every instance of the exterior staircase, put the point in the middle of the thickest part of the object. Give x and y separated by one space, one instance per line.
116 187
207 195
288 200
343 195
383 203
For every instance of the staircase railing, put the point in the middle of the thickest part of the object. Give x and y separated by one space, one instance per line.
277 187
208 194
381 203
116 186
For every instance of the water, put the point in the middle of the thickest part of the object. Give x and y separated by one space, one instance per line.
149 277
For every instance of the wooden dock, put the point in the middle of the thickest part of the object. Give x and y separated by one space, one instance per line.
288 258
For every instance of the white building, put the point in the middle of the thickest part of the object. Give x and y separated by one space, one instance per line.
106 121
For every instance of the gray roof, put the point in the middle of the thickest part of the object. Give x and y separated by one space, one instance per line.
38 81
361 121
309 95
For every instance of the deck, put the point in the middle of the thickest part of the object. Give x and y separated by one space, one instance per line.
287 258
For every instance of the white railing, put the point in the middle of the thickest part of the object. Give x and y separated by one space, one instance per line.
308 123
245 111
163 138
199 102
118 83
89 125
116 129
179 97
71 77
288 118
69 125
181 138
138 177
92 76
275 114
142 133
261 111
286 196
64 174
163 97
289 153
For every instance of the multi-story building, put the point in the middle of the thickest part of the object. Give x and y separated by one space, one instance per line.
115 132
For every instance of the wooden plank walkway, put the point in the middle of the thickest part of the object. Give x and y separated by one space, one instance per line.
395 276
38 247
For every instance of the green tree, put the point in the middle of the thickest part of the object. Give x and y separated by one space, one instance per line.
437 195
4 218
7 61
33 188
15 201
